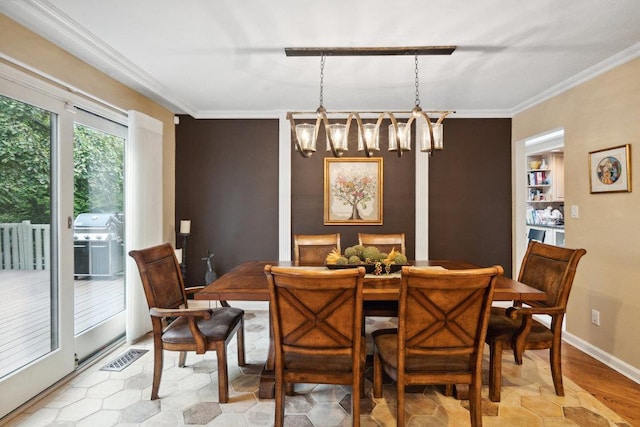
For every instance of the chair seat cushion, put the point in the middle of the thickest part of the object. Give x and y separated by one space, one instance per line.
222 321
387 347
323 363
503 328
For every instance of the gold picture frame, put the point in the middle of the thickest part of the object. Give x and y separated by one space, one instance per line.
353 191
610 170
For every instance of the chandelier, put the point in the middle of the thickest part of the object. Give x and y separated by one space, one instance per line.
429 133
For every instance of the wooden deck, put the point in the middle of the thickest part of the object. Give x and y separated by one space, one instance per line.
25 304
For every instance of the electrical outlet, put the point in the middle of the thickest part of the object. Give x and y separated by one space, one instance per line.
595 317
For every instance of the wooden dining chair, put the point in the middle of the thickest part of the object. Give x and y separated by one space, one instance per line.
316 318
192 329
384 242
312 249
550 269
440 337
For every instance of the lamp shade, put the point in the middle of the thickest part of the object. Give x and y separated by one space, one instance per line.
306 135
404 133
337 133
425 138
371 136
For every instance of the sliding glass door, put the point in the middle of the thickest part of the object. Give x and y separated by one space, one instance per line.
36 345
62 288
98 235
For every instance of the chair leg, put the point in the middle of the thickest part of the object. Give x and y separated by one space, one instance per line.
475 402
495 370
517 355
289 389
448 389
182 359
377 375
157 368
240 339
279 395
556 369
223 374
355 401
400 402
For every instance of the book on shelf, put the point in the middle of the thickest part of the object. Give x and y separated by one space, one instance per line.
537 178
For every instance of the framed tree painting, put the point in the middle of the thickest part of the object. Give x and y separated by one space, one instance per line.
352 191
610 170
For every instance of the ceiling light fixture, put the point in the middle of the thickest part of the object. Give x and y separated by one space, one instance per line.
429 132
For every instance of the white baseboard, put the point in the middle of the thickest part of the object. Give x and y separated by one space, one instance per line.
613 362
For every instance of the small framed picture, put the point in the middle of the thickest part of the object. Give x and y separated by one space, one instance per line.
352 191
610 170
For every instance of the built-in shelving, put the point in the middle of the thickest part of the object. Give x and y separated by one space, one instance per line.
545 195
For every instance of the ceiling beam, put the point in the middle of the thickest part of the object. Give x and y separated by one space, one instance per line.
369 51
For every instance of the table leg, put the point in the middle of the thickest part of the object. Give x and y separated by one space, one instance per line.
267 377
461 391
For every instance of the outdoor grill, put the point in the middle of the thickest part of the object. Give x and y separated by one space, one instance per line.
98 245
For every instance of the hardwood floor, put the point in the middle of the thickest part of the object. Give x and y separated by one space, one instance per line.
618 392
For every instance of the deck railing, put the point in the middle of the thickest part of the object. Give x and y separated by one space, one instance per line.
25 246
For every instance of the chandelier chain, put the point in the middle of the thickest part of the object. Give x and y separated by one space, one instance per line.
322 59
417 83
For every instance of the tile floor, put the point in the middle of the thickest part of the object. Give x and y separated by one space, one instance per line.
98 398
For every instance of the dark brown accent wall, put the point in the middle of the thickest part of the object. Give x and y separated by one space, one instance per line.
470 193
227 184
307 193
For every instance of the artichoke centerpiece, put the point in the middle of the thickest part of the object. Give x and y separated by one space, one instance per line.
368 256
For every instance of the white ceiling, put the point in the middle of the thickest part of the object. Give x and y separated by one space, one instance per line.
225 58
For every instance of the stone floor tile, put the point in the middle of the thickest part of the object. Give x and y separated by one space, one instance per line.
80 409
229 420
105 389
122 399
261 414
327 414
140 411
541 406
102 418
328 393
60 399
201 413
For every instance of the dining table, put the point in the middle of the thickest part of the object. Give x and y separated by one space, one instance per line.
248 282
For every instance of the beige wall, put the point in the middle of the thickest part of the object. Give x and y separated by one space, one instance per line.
603 112
27 47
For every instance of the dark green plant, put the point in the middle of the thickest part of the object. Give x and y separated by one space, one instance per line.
25 162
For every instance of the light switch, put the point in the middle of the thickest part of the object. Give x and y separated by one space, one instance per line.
574 211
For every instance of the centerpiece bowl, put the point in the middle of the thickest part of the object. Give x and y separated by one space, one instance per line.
369 268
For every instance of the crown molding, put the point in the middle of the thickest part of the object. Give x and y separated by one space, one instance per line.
590 73
459 114
48 21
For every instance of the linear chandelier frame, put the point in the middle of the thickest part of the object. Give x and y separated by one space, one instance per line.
369 51
429 134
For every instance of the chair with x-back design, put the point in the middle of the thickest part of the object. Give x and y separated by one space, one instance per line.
316 317
441 329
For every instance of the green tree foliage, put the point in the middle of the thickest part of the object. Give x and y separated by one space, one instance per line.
98 171
25 162
25 165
